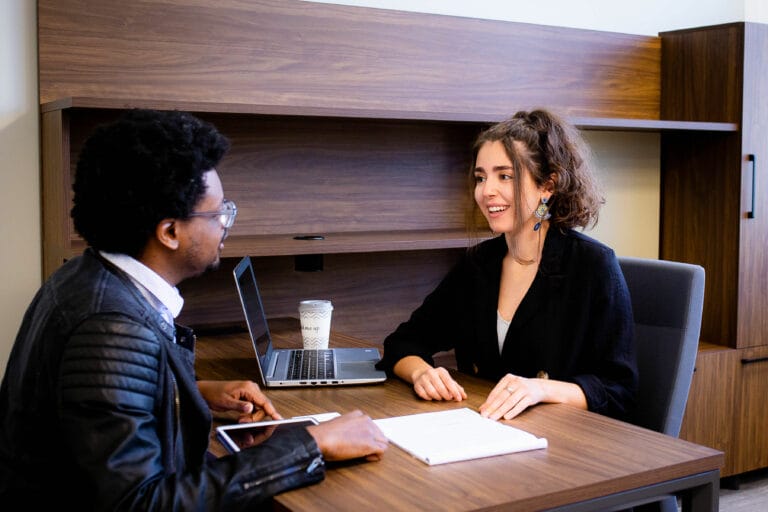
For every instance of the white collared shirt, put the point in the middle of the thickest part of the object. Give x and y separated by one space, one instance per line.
162 296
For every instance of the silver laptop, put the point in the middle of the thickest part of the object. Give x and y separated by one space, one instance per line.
299 367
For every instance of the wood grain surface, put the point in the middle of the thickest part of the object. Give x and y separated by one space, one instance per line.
588 455
288 52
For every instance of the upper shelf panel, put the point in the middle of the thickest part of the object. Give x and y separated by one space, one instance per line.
317 56
584 123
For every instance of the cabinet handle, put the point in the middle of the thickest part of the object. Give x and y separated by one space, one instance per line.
752 158
749 360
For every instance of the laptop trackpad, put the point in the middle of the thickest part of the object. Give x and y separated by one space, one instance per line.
362 369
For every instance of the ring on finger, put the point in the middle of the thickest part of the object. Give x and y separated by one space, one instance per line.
509 390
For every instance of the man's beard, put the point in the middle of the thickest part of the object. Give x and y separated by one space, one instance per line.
214 265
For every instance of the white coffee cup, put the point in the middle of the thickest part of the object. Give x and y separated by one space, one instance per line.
315 317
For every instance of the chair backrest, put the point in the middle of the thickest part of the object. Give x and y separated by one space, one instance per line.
667 301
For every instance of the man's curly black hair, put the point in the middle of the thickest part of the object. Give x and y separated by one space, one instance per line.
146 166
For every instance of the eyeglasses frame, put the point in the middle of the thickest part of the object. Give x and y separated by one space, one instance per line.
226 216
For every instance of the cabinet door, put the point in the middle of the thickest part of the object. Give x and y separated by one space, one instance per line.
752 325
701 193
751 442
710 411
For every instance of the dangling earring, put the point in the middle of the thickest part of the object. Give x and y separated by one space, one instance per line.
541 212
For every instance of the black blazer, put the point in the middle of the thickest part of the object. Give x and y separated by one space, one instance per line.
575 322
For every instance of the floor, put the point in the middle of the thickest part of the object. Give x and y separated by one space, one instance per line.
751 496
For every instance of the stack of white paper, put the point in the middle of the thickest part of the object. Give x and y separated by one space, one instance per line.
455 435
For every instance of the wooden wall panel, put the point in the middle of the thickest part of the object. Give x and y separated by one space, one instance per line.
293 176
289 52
699 215
321 175
372 293
55 188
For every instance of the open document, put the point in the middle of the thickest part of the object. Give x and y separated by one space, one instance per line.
455 435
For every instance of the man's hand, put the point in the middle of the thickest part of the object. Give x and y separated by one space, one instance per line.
349 436
241 397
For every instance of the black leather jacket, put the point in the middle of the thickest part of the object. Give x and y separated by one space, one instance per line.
99 410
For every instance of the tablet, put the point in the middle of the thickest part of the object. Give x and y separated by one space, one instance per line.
245 435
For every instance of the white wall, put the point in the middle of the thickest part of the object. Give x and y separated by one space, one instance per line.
20 264
647 17
628 166
629 221
756 10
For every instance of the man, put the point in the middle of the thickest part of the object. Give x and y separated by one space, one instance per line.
99 406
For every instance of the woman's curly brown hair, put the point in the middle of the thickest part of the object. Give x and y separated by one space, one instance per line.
549 148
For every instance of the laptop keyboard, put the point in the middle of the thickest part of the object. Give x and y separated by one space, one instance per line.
311 364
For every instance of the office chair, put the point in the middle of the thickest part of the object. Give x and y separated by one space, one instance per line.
667 301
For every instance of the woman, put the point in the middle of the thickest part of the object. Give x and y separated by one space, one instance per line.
542 310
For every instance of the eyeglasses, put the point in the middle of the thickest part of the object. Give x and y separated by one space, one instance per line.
226 215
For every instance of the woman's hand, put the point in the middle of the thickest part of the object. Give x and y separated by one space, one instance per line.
511 396
241 397
437 384
428 382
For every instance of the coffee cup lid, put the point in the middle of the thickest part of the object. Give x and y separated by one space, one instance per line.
315 304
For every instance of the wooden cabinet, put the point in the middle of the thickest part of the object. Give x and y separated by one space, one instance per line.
714 386
714 187
751 433
726 407
350 123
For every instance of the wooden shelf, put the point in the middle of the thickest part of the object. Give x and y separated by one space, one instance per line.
337 243
650 125
584 123
385 241
706 346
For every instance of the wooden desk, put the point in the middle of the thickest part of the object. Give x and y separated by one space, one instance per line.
592 462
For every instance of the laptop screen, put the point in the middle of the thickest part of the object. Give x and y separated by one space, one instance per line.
254 311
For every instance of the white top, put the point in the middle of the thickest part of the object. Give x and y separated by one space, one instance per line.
163 297
502 326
